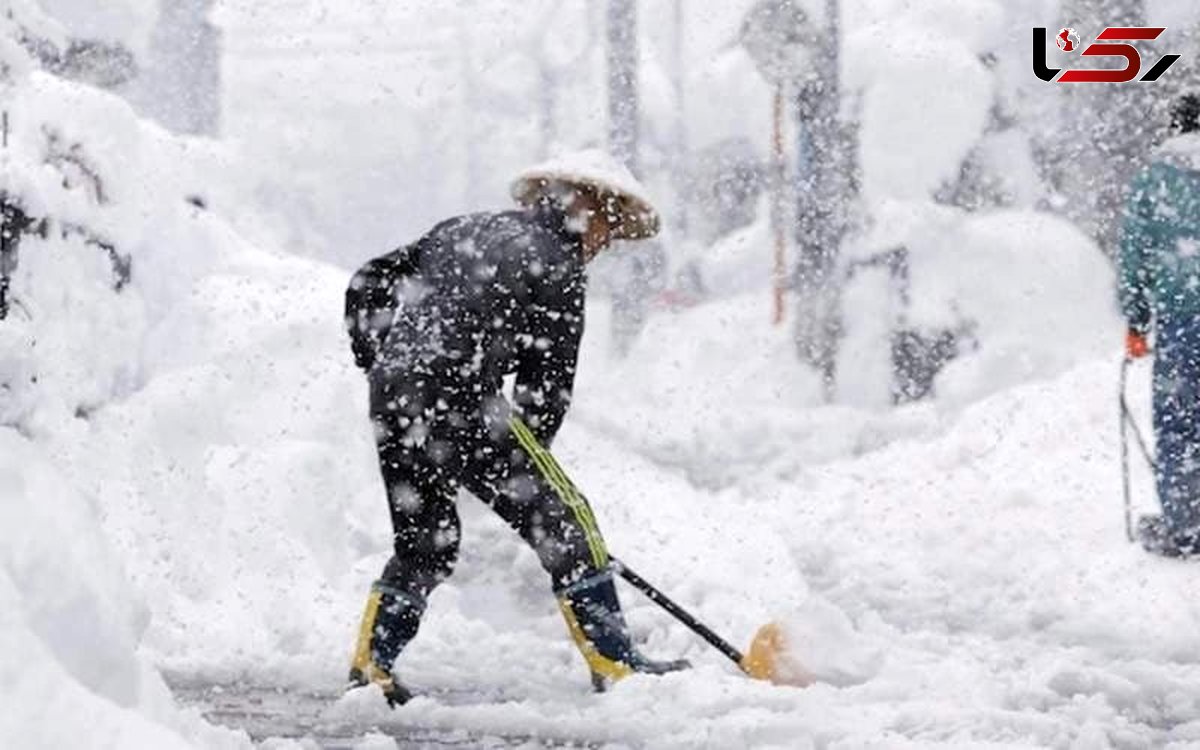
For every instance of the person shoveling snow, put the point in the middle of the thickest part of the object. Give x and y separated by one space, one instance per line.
436 326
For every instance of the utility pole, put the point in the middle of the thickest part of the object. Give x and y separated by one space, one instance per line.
799 56
622 82
678 148
823 202
779 201
182 83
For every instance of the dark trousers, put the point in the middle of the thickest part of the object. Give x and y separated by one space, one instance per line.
1177 424
428 450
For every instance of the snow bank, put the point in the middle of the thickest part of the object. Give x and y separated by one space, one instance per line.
1000 547
219 473
70 624
718 392
251 500
1035 294
81 335
84 159
1040 292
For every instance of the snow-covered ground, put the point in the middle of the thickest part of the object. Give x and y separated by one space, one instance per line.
965 583
968 586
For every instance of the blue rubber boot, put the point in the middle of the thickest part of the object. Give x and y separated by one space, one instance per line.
594 619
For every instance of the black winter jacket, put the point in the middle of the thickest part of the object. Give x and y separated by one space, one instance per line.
438 324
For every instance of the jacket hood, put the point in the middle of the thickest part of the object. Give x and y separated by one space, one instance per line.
1182 151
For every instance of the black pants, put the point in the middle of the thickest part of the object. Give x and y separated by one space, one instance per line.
428 449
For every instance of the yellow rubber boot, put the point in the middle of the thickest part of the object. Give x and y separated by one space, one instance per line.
594 620
388 623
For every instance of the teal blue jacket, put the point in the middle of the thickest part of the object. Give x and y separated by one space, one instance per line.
1160 238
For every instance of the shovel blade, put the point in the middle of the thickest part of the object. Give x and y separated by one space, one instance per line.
768 659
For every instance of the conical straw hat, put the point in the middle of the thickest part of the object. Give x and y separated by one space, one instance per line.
600 172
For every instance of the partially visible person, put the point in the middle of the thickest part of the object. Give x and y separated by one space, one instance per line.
1160 294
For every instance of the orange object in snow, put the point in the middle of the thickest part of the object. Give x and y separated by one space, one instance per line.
767 658
1136 345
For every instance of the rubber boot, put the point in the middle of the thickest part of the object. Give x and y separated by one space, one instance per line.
389 622
594 619
1155 536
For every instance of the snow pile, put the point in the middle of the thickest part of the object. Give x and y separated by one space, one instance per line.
70 624
1031 292
219 474
999 547
253 494
1026 294
718 392
79 335
1040 293
120 245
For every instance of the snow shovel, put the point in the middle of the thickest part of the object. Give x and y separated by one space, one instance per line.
1127 424
767 657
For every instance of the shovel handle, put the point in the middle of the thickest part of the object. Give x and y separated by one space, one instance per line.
1127 416
1129 424
1123 408
678 612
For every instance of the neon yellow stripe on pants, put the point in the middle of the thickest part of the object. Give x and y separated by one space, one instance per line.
563 487
555 474
566 491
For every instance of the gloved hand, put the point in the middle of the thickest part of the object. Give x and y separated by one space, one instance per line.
1136 345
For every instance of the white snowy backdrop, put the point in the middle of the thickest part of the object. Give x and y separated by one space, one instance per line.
187 482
